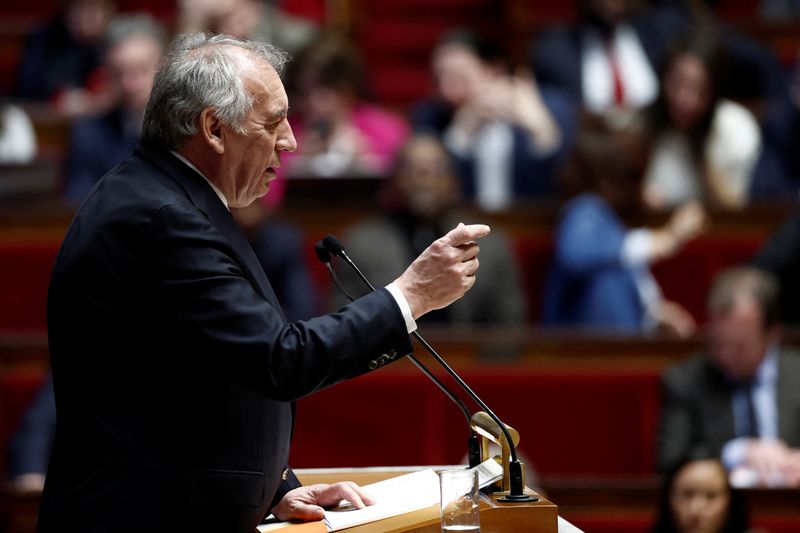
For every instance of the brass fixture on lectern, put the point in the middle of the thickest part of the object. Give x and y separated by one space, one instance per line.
490 432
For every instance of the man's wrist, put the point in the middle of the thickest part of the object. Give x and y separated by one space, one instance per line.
405 308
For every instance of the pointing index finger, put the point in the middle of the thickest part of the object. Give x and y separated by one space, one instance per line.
466 233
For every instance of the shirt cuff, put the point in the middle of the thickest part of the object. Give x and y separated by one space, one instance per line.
402 303
733 453
636 247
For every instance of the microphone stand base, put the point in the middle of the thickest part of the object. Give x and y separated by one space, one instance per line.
517 498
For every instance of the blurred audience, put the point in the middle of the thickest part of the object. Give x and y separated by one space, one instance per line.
777 174
781 256
505 135
60 62
738 400
338 132
779 10
279 248
252 19
29 449
17 137
705 147
132 50
418 202
600 277
697 498
609 58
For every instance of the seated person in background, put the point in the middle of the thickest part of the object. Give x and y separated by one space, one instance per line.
705 147
262 20
600 278
60 61
697 498
279 249
418 199
739 400
777 174
505 135
133 46
29 449
780 256
17 137
338 132
609 58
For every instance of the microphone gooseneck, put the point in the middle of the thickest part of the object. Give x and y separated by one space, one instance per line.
322 248
517 493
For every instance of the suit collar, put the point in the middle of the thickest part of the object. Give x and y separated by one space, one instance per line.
203 197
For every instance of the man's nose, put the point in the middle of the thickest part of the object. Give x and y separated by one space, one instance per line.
286 142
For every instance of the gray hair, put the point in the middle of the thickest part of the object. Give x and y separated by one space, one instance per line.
124 27
750 282
201 71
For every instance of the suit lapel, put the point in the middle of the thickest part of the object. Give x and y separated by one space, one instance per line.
206 200
718 408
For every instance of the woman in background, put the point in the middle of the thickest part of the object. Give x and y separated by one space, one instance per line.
706 147
600 278
338 131
697 498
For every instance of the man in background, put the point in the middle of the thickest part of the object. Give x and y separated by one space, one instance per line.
132 49
738 401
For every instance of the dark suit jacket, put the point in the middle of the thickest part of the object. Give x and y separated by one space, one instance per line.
174 369
556 60
588 286
697 417
96 145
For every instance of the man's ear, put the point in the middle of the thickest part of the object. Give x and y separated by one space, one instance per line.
211 130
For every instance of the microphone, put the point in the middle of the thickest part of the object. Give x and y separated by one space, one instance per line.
473 444
517 492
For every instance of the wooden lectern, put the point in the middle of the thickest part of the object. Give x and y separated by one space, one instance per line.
536 517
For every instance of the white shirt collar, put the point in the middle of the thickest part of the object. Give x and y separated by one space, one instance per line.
214 187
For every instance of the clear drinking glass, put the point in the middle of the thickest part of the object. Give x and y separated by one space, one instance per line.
460 504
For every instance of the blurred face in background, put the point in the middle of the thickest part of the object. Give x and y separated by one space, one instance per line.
239 18
87 19
699 497
460 74
738 339
425 178
687 89
131 66
609 12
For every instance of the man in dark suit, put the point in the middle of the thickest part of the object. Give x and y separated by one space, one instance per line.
174 369
740 400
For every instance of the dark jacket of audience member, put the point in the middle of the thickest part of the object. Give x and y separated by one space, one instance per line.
97 144
781 256
29 449
777 173
65 52
557 55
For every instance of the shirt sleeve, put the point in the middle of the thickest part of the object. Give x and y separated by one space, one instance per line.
402 303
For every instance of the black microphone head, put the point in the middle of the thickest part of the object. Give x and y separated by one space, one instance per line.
333 245
322 253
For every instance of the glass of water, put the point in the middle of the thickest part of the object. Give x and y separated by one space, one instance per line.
460 500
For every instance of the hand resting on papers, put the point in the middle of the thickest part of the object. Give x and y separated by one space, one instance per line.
306 503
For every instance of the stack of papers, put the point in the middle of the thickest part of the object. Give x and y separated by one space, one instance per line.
400 495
